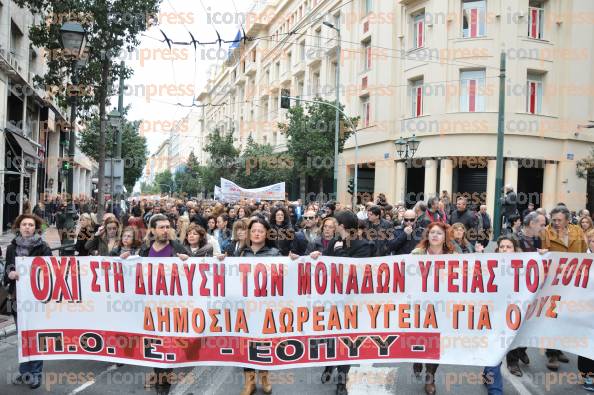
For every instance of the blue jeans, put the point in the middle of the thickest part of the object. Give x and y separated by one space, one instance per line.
29 370
494 380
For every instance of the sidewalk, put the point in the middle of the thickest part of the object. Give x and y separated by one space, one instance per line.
7 326
51 236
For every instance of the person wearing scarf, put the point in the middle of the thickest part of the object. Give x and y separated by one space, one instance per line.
27 243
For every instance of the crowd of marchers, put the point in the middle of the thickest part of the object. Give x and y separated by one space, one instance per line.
185 228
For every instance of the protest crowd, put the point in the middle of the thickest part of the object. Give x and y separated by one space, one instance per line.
185 228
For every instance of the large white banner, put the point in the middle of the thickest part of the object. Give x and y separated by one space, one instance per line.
275 313
232 191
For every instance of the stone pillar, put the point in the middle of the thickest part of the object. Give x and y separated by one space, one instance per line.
549 187
385 170
491 195
400 182
511 174
446 176
76 178
430 178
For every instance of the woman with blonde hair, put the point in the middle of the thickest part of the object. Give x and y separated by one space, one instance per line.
87 229
183 224
329 225
238 237
586 224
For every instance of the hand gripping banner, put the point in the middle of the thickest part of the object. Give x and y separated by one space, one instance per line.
276 313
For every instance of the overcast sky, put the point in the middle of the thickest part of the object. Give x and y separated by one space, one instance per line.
162 76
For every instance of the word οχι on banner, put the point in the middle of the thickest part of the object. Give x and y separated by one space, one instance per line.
277 313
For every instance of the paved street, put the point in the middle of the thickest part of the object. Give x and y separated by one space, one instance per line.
88 377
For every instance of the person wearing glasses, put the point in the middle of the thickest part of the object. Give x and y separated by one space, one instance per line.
327 233
307 235
407 235
310 226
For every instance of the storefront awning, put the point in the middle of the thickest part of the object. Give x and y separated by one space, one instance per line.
27 147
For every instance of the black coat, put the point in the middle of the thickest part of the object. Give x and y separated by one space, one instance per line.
81 240
118 251
380 235
282 238
41 249
358 248
509 204
466 217
404 244
264 251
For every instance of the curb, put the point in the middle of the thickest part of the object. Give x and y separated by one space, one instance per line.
8 330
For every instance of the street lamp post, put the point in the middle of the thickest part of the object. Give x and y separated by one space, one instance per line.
337 126
73 37
115 119
406 148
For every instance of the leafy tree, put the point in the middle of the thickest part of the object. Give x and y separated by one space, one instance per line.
189 181
111 26
223 160
164 182
133 144
149 189
310 139
261 166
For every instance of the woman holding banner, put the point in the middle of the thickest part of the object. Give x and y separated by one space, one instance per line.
129 243
257 231
436 241
345 244
492 374
196 242
27 243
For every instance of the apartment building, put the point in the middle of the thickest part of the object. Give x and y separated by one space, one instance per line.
32 126
184 138
158 162
428 69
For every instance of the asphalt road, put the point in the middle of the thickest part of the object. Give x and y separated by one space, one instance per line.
89 377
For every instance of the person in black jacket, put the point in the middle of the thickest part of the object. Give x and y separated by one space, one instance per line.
406 236
160 242
282 232
466 217
379 231
346 244
259 245
509 205
28 242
